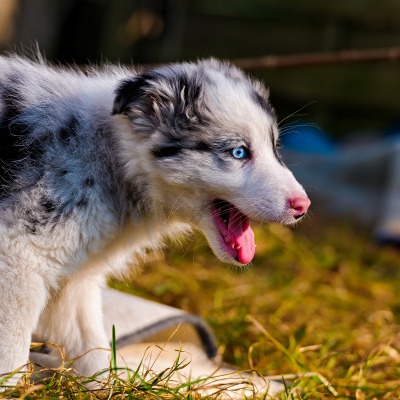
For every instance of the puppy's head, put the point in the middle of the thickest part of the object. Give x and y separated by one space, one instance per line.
206 137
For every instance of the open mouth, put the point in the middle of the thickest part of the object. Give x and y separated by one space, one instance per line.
236 235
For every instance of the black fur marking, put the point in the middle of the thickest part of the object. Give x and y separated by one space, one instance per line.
173 149
48 205
11 131
187 113
31 227
18 149
266 106
89 182
263 103
167 151
32 222
83 202
277 155
201 146
69 132
35 149
191 90
129 91
12 134
44 212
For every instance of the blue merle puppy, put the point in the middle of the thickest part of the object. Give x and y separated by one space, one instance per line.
98 167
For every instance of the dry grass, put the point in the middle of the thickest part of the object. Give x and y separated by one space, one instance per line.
316 301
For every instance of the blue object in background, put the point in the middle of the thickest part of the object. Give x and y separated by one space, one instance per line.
307 139
393 130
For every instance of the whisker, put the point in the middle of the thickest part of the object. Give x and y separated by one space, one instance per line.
295 113
173 209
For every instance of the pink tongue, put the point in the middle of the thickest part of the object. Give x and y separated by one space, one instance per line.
241 236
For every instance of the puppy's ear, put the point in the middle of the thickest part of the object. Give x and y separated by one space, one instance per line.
128 92
163 98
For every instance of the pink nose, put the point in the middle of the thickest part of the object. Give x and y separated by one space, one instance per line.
299 206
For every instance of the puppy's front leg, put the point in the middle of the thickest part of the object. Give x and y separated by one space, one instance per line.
74 320
22 298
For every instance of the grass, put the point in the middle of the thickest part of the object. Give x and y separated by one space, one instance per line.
320 307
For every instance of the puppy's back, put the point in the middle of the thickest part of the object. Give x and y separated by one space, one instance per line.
47 114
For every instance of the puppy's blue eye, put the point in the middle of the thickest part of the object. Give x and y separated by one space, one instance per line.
239 152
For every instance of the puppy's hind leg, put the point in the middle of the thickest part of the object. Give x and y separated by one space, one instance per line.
22 298
74 320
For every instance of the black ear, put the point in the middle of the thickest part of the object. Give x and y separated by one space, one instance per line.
164 98
128 92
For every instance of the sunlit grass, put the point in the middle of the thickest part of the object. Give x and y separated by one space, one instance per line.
319 307
326 295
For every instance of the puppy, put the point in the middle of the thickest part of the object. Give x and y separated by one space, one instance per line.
98 167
